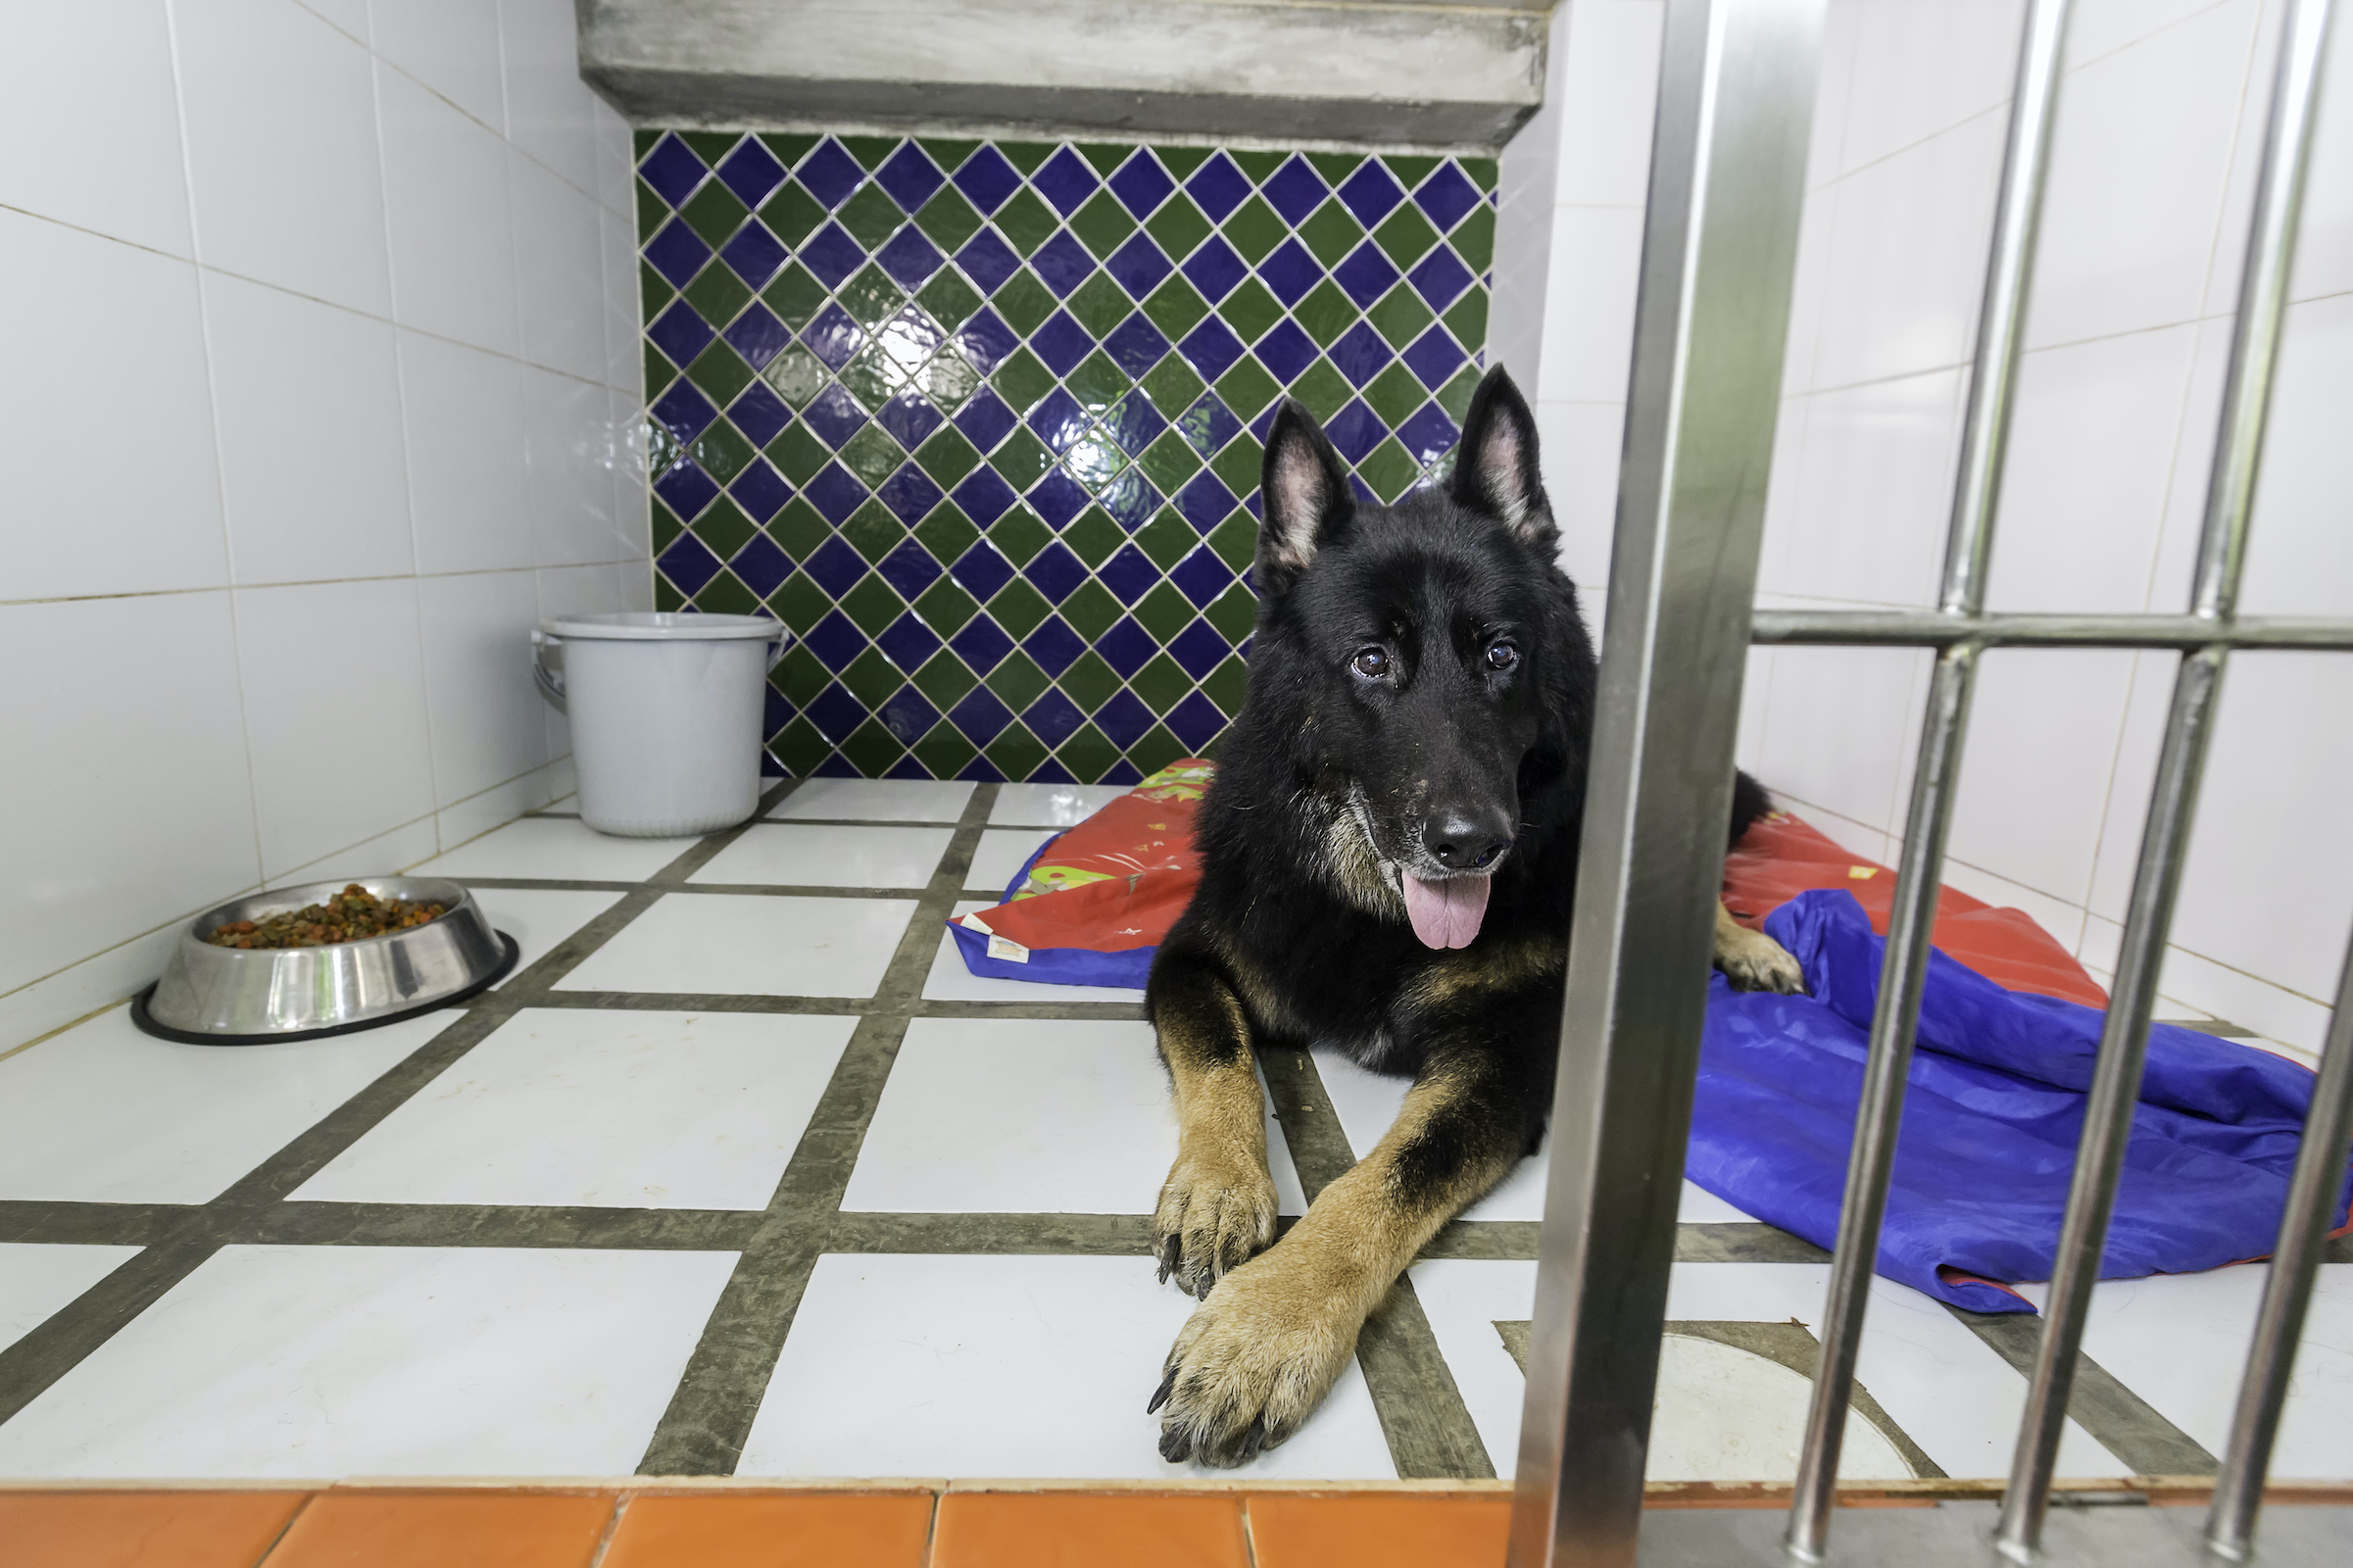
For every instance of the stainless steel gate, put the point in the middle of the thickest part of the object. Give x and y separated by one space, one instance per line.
1735 97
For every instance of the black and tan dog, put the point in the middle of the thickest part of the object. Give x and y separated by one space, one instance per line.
1388 857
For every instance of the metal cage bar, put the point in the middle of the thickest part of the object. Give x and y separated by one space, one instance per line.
1969 542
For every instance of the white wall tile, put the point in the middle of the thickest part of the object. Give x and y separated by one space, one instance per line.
2325 235
308 397
2043 738
484 709
88 108
1838 736
1580 443
469 493
445 190
1526 173
1833 83
102 694
452 46
1809 287
387 854
547 103
625 440
2300 552
485 809
1859 501
304 210
1607 88
312 710
566 426
92 514
559 271
1923 66
2098 27
1589 304
349 16
616 157
624 343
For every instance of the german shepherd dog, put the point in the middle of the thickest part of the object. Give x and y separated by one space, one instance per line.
1389 853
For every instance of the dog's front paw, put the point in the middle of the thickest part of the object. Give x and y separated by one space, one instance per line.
1755 961
1216 1211
1253 1363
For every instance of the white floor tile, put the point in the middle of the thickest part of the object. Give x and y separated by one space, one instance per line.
772 856
1005 1366
748 944
2179 1341
564 1106
37 1280
1016 1116
1366 1103
874 799
951 981
1949 1392
557 849
1051 805
1000 856
538 918
324 1361
102 1114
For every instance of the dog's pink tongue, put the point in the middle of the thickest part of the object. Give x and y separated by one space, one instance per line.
1446 914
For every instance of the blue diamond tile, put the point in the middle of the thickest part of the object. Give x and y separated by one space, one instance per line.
1062 263
1370 192
755 254
776 711
760 414
1130 574
1196 722
762 492
984 496
1205 502
909 569
673 169
980 715
1291 271
980 770
985 420
1138 265
1141 184
757 336
1428 434
909 643
910 258
1439 276
910 494
830 173
909 177
1054 646
1363 491
1217 187
1122 773
834 567
1054 571
1433 357
834 493
1127 647
909 417
834 415
1130 499
1134 422
1366 274
1296 190
689 563
684 411
982 644
760 565
1446 196
1214 268
986 178
1208 425
836 641
1287 351
678 253
1059 419
836 713
1212 349
1201 576
985 340
1053 717
680 333
1136 345
1356 430
750 171
1049 771
835 767
833 336
1057 498
1360 353
981 571
1199 648
907 768
832 255
1124 719
1061 343
908 714
1065 180
987 260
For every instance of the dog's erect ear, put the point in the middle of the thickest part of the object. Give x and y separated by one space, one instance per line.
1305 493
1496 471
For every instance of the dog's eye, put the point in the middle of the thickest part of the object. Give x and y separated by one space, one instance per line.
1501 655
1371 663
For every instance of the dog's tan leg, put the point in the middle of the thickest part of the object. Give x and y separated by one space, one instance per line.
1754 960
1259 1354
1217 1206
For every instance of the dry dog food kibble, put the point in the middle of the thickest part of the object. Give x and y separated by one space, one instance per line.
349 916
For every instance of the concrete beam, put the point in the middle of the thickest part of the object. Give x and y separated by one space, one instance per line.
1355 72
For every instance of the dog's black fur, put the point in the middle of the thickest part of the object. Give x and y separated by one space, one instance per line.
1421 692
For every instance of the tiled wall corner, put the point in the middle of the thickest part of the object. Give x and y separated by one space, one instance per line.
978 420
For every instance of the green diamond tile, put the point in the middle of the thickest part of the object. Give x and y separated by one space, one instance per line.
1025 220
1089 682
1156 751
1474 239
871 216
871 297
1239 464
1227 685
715 212
800 603
947 533
1163 612
873 532
1021 458
1167 539
1016 752
789 146
1251 310
1018 608
800 676
1326 312
1094 460
711 145
946 456
727 595
723 452
1335 167
950 152
1161 683
950 300
1024 302
1235 612
800 747
1236 541
1258 162
1019 535
664 527
1394 394
1482 172
869 151
716 293
659 372
795 296
796 375
1411 168
1096 382
1172 386
1178 226
1093 536
641 142
1018 681
871 749
1087 754
1323 389
800 527
872 456
667 598
1455 396
873 605
945 680
654 291
947 378
1254 228
1098 304
945 750
1176 307
1026 155
652 212
872 377
1331 232
719 371
1246 388
945 607
1399 315
1170 463
792 215
1105 156
797 454
1183 161
1103 225
1466 318
1092 610
948 220
1390 469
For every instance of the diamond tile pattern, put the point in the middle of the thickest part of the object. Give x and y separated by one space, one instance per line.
980 422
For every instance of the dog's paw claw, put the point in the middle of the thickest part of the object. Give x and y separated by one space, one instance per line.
1214 1216
1253 1363
1760 963
1160 1396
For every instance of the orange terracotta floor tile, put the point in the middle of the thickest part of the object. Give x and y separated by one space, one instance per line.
1073 1530
798 1530
445 1529
142 1529
1380 1531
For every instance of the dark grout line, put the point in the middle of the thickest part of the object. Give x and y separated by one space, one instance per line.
2117 1419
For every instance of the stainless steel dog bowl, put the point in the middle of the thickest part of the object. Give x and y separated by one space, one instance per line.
212 996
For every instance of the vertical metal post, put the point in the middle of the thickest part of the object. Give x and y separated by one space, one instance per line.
2190 727
1969 539
1727 177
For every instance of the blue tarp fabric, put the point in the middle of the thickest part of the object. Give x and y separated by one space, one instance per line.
1994 1105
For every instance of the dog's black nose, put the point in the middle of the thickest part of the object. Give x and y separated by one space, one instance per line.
1464 841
